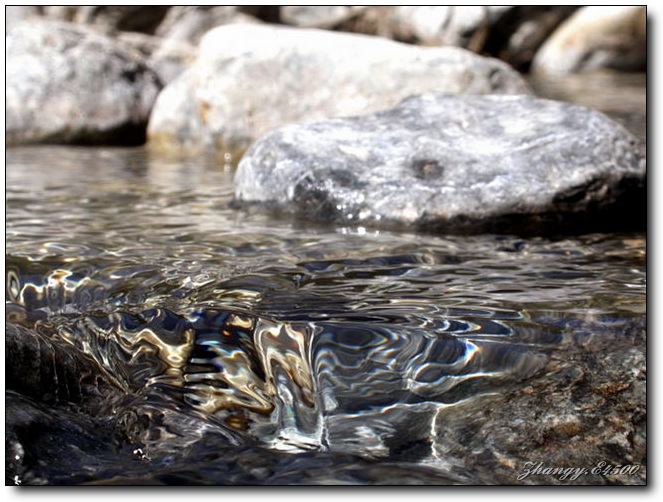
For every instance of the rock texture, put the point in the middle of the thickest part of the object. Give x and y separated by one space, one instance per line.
250 79
68 84
587 410
445 163
594 38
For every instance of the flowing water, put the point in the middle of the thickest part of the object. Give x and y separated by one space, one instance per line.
156 334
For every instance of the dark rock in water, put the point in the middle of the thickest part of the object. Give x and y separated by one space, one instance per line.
586 410
444 163
68 84
52 372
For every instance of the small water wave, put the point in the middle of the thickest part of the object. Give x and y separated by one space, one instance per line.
157 335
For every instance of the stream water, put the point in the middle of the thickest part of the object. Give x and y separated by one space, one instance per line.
224 346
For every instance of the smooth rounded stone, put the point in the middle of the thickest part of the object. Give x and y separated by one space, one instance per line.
67 84
446 163
251 79
319 16
594 38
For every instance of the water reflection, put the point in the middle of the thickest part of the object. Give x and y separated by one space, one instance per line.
361 354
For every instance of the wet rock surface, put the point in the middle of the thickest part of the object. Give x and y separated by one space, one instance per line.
290 75
69 84
231 337
586 411
444 163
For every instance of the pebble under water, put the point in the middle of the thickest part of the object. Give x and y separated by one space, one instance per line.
156 335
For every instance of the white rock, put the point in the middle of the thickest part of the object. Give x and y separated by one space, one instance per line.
594 38
250 79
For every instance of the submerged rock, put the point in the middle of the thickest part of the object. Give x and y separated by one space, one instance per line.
445 163
251 79
68 84
585 416
596 37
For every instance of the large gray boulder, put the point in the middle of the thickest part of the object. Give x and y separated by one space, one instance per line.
251 79
594 38
445 163
67 84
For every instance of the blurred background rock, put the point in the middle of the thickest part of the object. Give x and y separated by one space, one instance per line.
558 39
545 43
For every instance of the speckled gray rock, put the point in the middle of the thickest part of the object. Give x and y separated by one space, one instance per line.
68 84
250 79
445 163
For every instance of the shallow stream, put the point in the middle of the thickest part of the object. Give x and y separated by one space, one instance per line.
233 347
